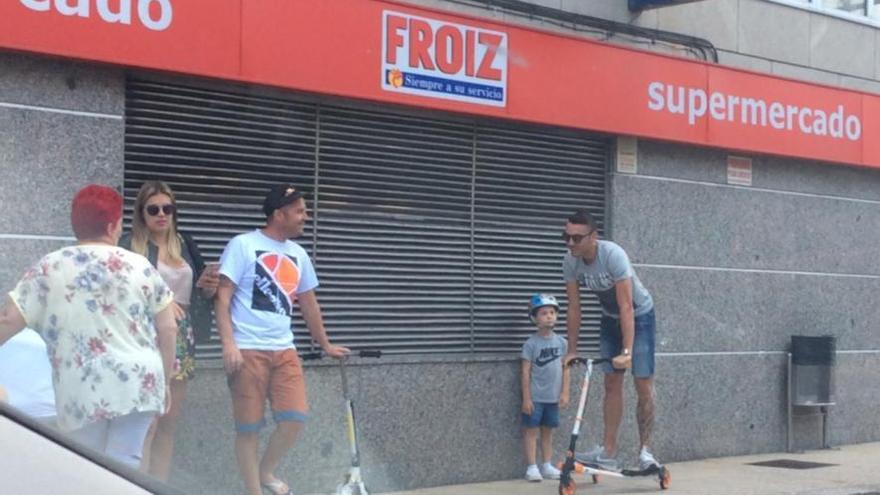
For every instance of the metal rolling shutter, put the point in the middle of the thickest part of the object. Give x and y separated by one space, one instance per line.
219 151
528 181
428 234
394 229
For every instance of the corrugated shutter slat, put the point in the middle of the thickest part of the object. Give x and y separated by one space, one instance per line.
428 233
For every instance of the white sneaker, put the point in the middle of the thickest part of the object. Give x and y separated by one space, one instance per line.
550 472
532 473
597 458
647 460
590 456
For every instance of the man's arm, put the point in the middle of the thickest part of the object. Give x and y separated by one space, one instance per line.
573 316
11 320
232 359
566 384
308 304
623 290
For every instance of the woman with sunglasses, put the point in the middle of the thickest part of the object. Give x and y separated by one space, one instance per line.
154 235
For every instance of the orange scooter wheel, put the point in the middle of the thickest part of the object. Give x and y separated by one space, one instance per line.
665 478
568 488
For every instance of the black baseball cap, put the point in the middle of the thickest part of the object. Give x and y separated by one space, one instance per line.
280 196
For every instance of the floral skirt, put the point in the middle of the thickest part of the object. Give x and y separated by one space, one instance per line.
185 351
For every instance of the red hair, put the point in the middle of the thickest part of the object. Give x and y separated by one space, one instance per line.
93 208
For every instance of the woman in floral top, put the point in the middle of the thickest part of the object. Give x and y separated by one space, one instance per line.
105 315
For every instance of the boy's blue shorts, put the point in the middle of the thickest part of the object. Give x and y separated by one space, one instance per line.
544 414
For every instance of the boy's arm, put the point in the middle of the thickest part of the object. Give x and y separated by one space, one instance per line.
526 390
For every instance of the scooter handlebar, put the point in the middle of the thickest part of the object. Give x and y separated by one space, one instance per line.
582 360
314 355
311 356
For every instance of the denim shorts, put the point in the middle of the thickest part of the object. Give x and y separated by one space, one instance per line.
544 414
611 344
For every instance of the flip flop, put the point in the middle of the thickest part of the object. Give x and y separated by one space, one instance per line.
277 487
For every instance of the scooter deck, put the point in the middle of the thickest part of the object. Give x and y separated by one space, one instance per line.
591 468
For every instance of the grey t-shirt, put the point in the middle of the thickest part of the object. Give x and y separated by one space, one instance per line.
610 266
545 354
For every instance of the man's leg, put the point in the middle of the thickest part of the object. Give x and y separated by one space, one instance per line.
246 445
643 375
613 410
287 392
280 443
249 387
645 409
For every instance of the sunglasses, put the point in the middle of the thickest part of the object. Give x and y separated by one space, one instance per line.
153 210
575 238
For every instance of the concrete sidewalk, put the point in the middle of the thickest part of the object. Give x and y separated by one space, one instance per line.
855 470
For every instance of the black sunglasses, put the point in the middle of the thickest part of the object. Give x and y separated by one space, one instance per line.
576 238
153 210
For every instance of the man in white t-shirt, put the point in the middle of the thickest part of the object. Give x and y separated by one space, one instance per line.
27 374
262 274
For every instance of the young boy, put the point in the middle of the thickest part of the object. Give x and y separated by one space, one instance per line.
544 385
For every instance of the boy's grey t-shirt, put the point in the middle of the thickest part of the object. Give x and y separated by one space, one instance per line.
545 354
610 266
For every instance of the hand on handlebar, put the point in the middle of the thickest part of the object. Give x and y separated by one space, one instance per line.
622 362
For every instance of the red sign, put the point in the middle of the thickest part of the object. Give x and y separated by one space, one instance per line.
459 64
428 57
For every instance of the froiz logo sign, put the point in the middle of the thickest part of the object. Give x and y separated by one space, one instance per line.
440 59
276 279
155 15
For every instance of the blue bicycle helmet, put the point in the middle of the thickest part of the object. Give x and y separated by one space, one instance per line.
538 301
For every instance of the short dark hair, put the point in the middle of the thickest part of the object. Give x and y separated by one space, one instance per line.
582 217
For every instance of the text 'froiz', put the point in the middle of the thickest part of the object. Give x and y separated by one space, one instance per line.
450 49
155 15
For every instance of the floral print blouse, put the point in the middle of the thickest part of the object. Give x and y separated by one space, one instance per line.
94 305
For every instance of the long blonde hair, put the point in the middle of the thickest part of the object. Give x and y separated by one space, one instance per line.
140 234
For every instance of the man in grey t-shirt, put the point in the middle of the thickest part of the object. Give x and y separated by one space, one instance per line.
626 333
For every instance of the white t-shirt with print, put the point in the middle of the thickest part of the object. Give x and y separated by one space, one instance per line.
268 275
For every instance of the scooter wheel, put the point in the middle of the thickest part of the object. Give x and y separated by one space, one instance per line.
567 488
595 479
665 478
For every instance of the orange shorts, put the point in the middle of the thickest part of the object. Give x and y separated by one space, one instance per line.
276 375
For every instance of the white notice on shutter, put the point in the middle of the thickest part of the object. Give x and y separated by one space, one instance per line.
739 171
627 155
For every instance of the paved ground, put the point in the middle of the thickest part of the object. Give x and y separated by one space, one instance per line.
856 470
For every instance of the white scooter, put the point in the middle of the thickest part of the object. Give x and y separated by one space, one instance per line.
567 486
353 484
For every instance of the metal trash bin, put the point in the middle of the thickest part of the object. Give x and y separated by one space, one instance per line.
811 378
